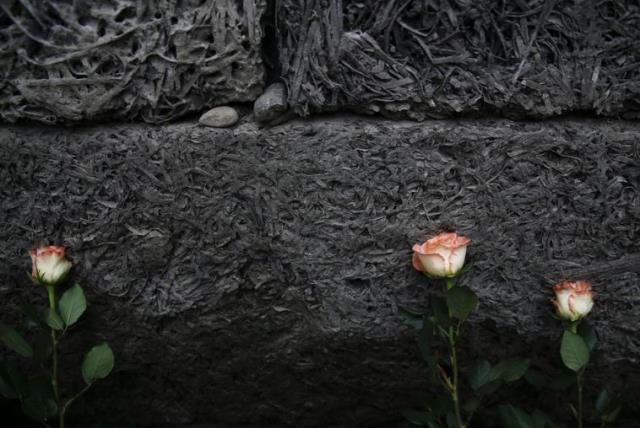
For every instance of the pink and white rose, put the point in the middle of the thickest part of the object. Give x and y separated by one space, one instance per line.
49 265
441 256
574 299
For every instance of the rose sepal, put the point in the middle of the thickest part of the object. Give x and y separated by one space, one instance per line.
40 280
442 278
572 326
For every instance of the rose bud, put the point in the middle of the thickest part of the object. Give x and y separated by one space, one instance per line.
574 299
441 256
49 266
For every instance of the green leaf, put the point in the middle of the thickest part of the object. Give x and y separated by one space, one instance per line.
411 318
510 370
14 341
574 351
603 401
588 335
53 320
461 302
608 406
97 364
489 388
480 374
72 305
612 416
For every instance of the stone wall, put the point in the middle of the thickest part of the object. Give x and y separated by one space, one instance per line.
447 58
255 276
147 60
158 61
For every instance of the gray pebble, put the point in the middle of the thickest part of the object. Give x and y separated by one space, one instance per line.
271 104
219 117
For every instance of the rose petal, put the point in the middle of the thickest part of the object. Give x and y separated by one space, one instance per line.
456 259
434 264
415 260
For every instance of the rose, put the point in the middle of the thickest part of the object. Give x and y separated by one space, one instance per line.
49 266
574 299
441 256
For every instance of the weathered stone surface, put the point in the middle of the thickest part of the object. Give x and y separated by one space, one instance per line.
436 59
127 59
244 276
219 117
271 104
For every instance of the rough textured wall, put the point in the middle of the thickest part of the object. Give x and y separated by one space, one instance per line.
255 276
442 58
67 61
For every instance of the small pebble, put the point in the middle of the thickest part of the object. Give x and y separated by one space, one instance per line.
219 117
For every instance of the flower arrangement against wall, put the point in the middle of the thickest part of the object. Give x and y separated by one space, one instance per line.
439 331
40 395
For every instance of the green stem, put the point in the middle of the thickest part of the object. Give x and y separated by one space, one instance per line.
54 352
54 342
454 369
70 402
573 327
579 381
51 291
450 283
54 367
